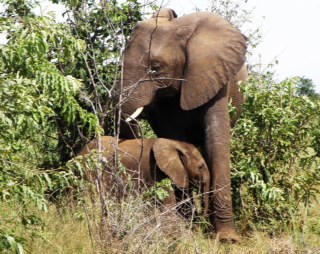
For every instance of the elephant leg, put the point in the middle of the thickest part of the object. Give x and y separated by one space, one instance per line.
217 148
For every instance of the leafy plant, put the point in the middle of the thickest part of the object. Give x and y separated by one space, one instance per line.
161 190
275 162
104 27
38 111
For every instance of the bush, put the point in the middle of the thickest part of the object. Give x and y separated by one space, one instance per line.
275 155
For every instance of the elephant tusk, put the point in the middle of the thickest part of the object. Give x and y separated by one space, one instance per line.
135 114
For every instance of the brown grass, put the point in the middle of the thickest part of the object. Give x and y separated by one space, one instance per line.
135 225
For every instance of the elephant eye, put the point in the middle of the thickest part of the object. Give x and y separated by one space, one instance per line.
201 167
154 69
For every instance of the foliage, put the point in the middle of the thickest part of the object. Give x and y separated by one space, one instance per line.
104 27
56 81
275 159
306 87
41 111
161 190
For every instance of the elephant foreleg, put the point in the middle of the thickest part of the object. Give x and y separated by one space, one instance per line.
217 147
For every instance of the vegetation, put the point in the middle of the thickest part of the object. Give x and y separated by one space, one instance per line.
275 155
57 82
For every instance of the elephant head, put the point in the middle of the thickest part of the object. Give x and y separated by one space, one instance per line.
194 55
184 165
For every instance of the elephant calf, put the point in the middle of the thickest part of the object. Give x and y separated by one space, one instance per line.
151 160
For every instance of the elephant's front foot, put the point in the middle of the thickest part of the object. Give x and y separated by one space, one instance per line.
228 235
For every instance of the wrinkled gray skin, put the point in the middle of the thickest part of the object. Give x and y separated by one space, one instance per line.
180 70
235 95
152 160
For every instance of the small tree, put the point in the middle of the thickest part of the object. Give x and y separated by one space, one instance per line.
306 87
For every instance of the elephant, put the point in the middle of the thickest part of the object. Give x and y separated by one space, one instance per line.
152 160
235 95
177 72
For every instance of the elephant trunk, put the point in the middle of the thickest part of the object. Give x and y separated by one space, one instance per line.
137 88
206 197
132 97
127 130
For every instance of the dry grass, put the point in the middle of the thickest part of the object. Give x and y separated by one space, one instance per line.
136 226
63 234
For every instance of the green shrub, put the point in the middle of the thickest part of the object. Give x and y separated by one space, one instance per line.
275 154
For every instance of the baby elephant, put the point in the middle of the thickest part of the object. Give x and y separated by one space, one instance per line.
152 160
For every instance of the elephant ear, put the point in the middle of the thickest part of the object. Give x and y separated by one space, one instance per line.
167 155
215 52
165 13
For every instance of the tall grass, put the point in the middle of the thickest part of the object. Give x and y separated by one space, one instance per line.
138 228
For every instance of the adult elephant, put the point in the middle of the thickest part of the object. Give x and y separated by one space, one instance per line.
178 72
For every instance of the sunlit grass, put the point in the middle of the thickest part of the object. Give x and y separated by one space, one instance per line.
136 227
